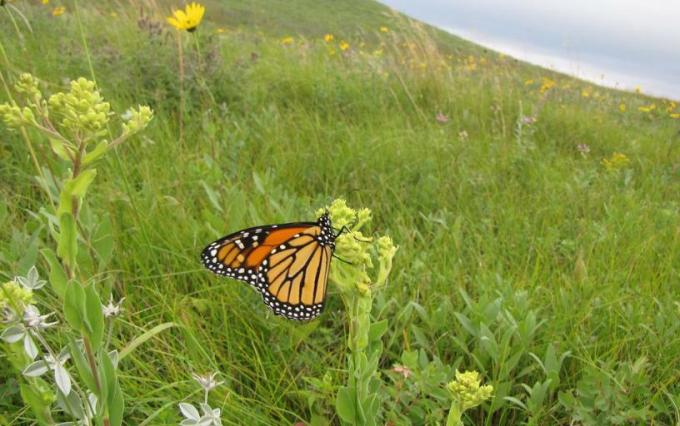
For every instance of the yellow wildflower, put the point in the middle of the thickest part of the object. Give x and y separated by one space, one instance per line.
675 115
529 82
328 38
384 30
622 107
586 92
344 45
287 40
58 11
647 108
547 85
219 30
45 1
467 390
187 19
615 162
671 106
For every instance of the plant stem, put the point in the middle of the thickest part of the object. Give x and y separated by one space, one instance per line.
180 55
454 416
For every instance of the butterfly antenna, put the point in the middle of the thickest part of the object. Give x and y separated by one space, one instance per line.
343 260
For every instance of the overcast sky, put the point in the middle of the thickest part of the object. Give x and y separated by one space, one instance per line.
622 43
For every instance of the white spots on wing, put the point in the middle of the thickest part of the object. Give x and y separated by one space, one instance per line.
239 243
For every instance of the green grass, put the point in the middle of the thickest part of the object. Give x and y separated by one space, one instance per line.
497 230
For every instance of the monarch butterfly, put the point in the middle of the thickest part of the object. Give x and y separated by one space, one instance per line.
287 263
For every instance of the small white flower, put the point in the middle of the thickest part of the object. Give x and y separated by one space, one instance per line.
112 309
34 320
208 381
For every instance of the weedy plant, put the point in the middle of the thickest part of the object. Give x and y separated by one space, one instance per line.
77 126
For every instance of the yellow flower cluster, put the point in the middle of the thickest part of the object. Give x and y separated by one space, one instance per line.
647 108
616 162
58 11
287 40
81 108
14 295
466 390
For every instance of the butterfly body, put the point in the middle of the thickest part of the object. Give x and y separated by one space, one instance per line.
287 263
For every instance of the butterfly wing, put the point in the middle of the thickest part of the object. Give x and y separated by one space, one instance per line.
287 263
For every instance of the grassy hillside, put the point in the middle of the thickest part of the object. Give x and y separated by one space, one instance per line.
537 216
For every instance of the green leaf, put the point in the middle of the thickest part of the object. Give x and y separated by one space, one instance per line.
61 148
82 366
41 408
74 305
67 246
114 396
96 153
95 317
377 330
103 242
58 278
75 188
344 405
143 338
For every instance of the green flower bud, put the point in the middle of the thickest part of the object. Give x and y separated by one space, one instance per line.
11 115
15 296
137 119
28 85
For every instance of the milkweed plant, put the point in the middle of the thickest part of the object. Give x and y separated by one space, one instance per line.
68 371
362 270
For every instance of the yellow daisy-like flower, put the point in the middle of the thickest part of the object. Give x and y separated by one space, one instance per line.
384 30
344 45
622 107
328 38
45 1
287 40
58 11
187 19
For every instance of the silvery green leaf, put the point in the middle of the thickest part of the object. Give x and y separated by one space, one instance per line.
36 369
64 355
188 422
13 334
29 347
205 421
91 409
63 379
114 358
71 404
189 411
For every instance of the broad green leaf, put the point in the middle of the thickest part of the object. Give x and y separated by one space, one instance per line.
143 338
75 189
96 153
74 305
377 330
57 277
67 246
344 405
95 317
61 148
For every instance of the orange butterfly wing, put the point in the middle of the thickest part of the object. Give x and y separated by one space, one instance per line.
287 263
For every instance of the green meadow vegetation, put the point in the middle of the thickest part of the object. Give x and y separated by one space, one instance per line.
537 220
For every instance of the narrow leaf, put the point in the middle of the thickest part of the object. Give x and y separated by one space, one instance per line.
143 338
82 366
95 317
